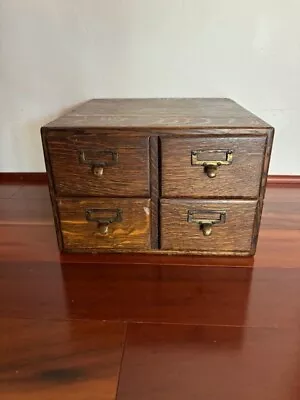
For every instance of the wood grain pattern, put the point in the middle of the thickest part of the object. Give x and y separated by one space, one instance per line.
150 142
155 192
157 113
181 179
133 232
191 362
59 359
263 186
34 237
195 330
17 179
233 235
129 177
35 282
266 164
35 241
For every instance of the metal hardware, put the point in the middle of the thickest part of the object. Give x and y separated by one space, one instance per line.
211 167
98 171
89 156
202 217
94 215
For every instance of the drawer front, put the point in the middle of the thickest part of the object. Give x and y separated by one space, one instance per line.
105 223
184 175
207 225
99 165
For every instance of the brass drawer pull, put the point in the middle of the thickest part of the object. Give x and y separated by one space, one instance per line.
90 157
211 167
206 219
99 215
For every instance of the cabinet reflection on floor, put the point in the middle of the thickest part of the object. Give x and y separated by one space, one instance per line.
161 326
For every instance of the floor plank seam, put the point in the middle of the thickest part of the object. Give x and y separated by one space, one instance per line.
133 322
121 360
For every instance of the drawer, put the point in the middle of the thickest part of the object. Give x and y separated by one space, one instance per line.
207 225
99 165
239 175
105 223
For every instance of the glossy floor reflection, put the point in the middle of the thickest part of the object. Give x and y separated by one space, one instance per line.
147 293
196 362
141 327
59 359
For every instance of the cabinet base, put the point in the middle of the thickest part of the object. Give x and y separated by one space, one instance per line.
161 252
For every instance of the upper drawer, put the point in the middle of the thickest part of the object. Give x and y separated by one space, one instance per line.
99 165
212 166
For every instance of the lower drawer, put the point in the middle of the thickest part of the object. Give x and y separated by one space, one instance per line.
212 226
104 223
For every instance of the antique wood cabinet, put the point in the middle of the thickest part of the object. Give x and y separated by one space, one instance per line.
183 176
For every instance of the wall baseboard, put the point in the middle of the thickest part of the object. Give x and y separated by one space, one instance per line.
284 180
23 177
41 178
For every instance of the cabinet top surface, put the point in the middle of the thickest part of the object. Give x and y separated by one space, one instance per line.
198 113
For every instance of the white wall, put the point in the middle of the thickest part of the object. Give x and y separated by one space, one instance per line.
54 54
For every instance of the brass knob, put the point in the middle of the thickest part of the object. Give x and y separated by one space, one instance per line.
206 229
103 228
211 170
98 171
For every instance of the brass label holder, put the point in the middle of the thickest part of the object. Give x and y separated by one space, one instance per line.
211 166
98 166
205 222
94 215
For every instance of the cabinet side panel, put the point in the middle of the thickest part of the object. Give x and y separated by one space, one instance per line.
262 191
266 165
51 189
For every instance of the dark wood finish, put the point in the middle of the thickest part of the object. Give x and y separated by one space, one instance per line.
223 332
155 192
153 293
182 179
159 113
133 148
266 164
51 186
8 179
191 362
232 236
263 186
32 237
181 294
23 177
129 177
79 233
8 191
59 359
32 192
33 212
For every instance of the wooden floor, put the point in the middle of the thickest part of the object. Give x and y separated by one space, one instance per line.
139 328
